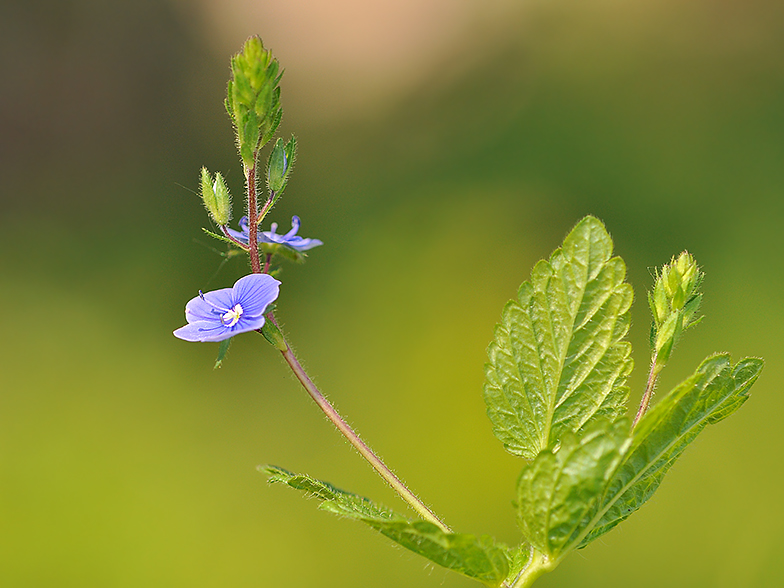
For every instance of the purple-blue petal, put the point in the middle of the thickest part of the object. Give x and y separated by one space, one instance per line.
202 331
294 227
254 293
241 237
200 309
211 331
290 239
304 244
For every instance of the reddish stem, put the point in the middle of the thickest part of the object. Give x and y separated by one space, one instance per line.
253 228
239 244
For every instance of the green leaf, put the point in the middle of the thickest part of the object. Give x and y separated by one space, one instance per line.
222 351
478 558
559 492
716 390
559 360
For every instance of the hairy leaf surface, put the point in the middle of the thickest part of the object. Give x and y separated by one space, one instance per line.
716 390
480 558
559 492
559 360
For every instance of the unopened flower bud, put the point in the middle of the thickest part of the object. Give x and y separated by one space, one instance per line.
277 167
216 197
281 161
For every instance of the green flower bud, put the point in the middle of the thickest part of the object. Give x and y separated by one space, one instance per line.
216 197
281 160
277 167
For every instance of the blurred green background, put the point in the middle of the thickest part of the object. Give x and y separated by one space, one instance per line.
445 147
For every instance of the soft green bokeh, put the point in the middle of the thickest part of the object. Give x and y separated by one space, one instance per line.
125 460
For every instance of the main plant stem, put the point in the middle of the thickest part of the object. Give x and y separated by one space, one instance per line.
389 476
253 226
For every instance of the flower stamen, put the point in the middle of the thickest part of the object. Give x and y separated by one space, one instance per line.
232 317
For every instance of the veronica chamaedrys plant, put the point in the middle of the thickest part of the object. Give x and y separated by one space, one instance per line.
555 382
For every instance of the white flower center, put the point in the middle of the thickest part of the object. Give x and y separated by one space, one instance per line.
233 316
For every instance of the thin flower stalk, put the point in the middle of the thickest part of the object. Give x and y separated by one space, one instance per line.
389 476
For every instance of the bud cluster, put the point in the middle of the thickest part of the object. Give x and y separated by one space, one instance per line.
253 98
674 303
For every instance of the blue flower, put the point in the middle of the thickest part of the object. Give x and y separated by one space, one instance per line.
221 314
290 239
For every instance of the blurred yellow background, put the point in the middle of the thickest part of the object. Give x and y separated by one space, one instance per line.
445 147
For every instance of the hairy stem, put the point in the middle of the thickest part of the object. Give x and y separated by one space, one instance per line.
266 208
253 227
646 397
240 244
365 451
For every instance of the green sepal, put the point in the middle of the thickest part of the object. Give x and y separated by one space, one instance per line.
716 390
283 251
273 125
560 359
272 333
208 192
476 557
222 351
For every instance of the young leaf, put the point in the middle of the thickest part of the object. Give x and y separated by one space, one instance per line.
559 360
716 390
559 491
478 558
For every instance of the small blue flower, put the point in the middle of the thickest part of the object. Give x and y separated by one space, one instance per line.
221 314
290 239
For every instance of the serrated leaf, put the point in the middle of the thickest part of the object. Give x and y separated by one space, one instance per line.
716 390
559 360
479 558
559 492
